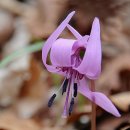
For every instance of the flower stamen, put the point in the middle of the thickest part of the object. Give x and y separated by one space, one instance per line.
64 88
75 89
51 100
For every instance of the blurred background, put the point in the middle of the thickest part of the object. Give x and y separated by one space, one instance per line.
25 85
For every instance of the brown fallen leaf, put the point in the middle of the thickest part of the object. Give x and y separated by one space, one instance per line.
110 77
9 121
122 100
6 26
45 17
34 93
112 123
14 74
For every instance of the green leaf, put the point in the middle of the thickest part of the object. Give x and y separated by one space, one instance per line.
16 54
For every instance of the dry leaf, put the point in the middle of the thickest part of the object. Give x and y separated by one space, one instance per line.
122 100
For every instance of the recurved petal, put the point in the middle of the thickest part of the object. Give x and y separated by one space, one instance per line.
91 63
74 32
61 52
48 44
98 98
105 103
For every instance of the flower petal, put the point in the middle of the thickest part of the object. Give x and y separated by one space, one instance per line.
104 102
51 40
80 43
61 52
91 63
74 32
98 98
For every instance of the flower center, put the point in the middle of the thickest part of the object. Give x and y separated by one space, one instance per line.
70 84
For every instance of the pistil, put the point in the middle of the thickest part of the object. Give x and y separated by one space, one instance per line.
71 106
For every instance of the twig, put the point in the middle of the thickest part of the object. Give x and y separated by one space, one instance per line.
93 116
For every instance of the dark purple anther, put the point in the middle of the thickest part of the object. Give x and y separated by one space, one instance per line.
65 86
50 102
75 89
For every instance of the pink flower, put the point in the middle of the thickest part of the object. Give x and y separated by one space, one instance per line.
67 61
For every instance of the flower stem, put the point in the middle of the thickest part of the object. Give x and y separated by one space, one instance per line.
93 115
